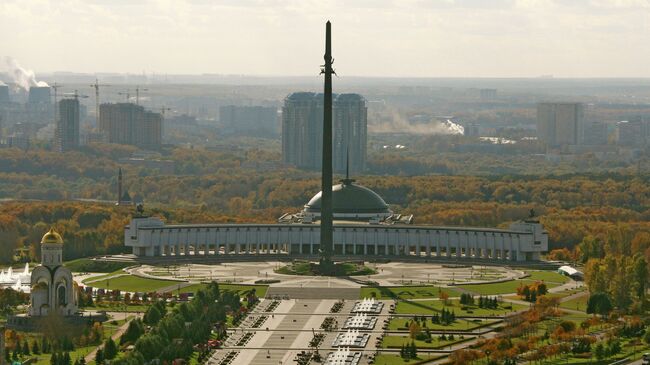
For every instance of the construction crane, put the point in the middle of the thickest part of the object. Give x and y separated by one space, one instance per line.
96 86
75 95
56 87
126 93
137 94
163 110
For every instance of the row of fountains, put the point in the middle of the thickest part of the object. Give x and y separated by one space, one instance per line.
19 281
340 356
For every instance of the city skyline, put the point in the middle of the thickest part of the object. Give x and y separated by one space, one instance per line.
412 39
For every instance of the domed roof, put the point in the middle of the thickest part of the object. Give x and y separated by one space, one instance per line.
52 236
349 198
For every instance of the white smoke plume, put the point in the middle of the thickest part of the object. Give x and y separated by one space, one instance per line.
401 125
21 76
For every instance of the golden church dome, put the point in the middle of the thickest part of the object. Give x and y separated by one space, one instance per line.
52 236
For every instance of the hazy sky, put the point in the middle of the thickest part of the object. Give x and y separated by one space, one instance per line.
448 38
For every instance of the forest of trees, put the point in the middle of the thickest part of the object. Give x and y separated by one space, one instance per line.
212 187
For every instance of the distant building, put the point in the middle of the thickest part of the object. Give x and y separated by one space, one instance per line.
471 130
595 133
39 95
488 94
4 94
253 121
302 131
560 124
127 123
17 140
633 133
67 127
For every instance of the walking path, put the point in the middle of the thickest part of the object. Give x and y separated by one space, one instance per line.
116 336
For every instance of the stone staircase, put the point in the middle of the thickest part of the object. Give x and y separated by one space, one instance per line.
313 293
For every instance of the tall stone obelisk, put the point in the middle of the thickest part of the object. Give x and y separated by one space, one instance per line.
326 216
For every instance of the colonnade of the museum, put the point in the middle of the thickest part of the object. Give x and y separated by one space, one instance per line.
212 240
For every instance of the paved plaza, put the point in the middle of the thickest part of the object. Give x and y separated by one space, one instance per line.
388 274
287 330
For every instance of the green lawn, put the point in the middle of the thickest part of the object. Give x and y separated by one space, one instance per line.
119 307
389 359
506 287
579 303
548 276
399 341
434 306
89 265
397 324
133 283
242 289
88 281
406 292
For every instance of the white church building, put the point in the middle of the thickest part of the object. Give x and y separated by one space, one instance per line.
52 287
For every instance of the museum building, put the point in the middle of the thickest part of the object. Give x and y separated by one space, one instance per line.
363 225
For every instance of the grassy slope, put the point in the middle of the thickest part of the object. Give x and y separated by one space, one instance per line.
435 306
132 283
241 289
88 265
407 292
506 287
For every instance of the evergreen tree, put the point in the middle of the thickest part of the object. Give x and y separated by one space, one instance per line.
152 316
26 351
413 351
99 357
45 347
35 348
599 352
110 349
66 359
54 360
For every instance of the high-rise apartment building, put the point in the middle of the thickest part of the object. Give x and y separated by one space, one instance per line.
595 134
66 134
560 124
633 133
39 95
253 121
4 93
302 131
128 123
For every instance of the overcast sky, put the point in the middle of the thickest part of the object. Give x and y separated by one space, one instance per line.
434 38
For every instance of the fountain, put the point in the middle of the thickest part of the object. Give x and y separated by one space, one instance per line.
351 338
17 281
360 321
343 356
368 305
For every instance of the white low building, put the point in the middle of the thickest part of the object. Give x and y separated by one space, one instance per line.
364 226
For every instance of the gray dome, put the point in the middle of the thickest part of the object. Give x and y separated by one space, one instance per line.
349 198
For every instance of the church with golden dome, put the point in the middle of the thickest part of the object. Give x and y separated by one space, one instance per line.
52 287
